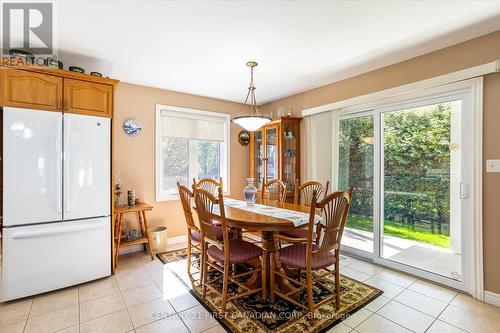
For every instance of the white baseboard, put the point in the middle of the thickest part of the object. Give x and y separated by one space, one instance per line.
491 298
173 243
177 243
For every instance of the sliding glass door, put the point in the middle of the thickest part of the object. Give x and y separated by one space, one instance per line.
408 166
421 175
356 169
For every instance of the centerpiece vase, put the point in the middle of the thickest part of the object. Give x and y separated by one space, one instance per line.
250 192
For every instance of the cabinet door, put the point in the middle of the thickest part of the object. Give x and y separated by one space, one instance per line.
25 89
291 155
88 98
257 158
272 156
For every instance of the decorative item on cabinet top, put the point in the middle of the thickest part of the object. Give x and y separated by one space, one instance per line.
132 127
53 66
77 69
54 63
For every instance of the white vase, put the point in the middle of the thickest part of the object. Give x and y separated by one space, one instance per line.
250 192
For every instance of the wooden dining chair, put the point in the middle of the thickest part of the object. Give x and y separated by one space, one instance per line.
194 233
315 255
208 184
274 190
223 255
304 192
303 196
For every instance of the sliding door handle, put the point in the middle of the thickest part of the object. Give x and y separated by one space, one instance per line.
464 191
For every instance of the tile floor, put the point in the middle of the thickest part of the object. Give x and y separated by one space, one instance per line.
143 297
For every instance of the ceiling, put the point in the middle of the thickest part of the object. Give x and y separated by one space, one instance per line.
202 47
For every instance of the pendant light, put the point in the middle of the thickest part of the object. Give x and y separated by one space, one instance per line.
254 120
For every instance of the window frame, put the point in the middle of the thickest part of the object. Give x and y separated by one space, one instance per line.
225 158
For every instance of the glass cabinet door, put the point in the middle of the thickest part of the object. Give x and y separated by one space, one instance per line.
258 157
290 146
272 162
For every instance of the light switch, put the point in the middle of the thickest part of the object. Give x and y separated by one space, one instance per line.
492 165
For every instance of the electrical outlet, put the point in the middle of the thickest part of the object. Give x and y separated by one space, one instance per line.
492 165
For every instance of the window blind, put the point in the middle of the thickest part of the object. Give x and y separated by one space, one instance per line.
190 126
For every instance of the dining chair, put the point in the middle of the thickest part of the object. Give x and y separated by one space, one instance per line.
194 234
303 196
315 255
274 190
223 255
303 192
208 184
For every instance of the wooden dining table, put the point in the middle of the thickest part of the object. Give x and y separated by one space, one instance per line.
267 226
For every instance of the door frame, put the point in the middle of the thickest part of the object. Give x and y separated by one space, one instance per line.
472 241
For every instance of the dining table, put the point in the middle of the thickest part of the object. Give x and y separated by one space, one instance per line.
240 218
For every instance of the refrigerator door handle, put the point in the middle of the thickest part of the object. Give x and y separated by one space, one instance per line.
58 168
60 230
67 168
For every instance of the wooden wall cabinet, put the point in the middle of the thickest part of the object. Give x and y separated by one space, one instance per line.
275 153
24 89
44 88
88 98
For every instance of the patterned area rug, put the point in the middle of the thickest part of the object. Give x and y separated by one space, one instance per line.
252 314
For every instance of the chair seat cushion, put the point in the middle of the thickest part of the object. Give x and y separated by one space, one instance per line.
240 251
196 236
295 256
297 233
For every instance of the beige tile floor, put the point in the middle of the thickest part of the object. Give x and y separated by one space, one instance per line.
143 297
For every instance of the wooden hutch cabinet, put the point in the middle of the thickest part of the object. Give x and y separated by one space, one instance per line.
275 153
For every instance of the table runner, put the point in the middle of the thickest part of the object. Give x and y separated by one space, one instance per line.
297 218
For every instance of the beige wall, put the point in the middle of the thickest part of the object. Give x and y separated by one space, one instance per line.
471 53
134 157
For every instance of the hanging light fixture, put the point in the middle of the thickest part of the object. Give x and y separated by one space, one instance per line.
255 119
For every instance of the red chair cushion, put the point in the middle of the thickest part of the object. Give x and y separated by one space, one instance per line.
295 256
297 233
240 251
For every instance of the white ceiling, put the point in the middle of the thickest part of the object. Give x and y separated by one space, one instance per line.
202 47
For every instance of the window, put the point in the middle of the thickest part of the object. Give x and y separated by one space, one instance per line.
189 144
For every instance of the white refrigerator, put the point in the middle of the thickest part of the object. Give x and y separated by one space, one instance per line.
56 201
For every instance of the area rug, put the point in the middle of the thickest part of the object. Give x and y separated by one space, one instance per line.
252 314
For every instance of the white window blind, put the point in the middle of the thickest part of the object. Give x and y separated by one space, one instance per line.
177 124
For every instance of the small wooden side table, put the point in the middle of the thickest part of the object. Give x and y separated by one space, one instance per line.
120 212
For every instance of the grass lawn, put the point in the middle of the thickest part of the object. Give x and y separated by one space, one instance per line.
396 230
